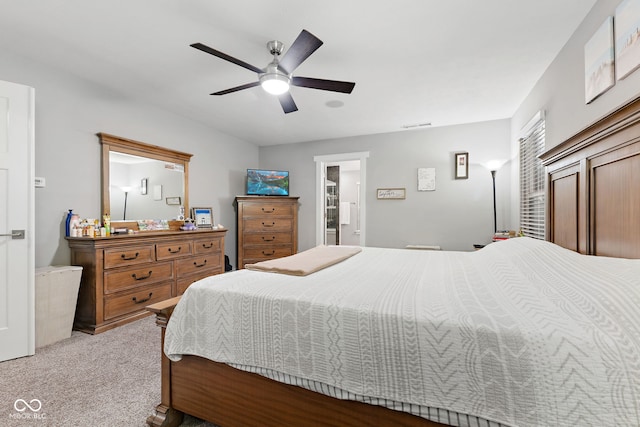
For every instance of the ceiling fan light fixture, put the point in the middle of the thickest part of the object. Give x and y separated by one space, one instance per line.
277 77
275 83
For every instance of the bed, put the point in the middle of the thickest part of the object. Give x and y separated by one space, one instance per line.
522 332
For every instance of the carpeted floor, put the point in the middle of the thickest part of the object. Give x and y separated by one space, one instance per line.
111 379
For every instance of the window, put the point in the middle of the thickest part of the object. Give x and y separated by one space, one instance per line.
532 194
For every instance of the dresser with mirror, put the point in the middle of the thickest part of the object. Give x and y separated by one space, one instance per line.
123 273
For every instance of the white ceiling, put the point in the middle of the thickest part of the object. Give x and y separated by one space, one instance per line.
414 61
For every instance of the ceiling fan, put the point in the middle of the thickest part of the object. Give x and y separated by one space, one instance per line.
276 77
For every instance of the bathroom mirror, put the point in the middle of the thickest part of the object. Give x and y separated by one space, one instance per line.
142 181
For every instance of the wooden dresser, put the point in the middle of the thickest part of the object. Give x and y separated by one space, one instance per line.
267 228
122 274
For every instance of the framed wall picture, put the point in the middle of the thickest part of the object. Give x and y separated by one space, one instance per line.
426 179
598 62
144 182
627 44
392 193
157 192
173 201
462 165
202 217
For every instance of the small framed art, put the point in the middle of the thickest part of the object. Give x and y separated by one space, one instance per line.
173 201
462 165
391 193
202 217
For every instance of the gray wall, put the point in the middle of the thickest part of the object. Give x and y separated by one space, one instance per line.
560 93
69 113
455 216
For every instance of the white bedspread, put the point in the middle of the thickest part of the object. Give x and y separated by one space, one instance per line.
521 332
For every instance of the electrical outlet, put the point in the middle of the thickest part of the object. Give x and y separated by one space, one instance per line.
40 182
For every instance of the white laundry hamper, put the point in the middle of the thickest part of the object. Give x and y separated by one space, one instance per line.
56 297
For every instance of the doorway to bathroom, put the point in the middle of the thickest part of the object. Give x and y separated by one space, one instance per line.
341 199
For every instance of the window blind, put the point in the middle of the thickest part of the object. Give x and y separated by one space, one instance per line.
532 194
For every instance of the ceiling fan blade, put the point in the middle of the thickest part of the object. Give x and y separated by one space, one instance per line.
301 49
226 57
332 85
237 88
287 102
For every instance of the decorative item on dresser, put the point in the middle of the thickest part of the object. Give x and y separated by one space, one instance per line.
122 274
267 228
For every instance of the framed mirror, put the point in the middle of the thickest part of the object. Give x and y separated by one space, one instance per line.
142 181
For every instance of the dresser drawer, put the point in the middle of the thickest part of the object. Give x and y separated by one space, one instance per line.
206 246
131 277
128 302
267 224
184 283
267 253
268 209
130 255
173 250
197 264
267 238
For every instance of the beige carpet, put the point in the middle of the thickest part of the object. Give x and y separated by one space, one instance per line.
111 380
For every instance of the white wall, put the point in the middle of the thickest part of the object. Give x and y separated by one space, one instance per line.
69 113
455 216
560 93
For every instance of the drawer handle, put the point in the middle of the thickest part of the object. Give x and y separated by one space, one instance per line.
135 300
195 263
171 251
270 211
267 239
126 258
268 225
141 278
207 246
272 253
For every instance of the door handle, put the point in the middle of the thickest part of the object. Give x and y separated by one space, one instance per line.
15 234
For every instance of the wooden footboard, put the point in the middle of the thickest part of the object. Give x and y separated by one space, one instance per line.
229 397
164 415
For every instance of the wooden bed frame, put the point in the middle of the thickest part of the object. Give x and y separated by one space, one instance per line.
593 207
593 187
227 396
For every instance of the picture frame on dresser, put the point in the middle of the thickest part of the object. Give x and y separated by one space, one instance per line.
202 217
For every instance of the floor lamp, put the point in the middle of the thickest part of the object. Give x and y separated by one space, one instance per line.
493 167
495 216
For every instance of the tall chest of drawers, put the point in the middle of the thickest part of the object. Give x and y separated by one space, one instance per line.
267 228
123 274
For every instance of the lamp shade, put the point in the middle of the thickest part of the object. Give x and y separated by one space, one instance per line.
494 165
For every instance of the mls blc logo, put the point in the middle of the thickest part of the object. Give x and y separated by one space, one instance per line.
21 406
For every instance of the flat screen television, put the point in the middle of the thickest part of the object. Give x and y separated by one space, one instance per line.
263 182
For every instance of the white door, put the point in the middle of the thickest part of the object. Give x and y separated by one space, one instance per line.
16 221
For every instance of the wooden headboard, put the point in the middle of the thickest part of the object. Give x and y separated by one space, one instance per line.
593 187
